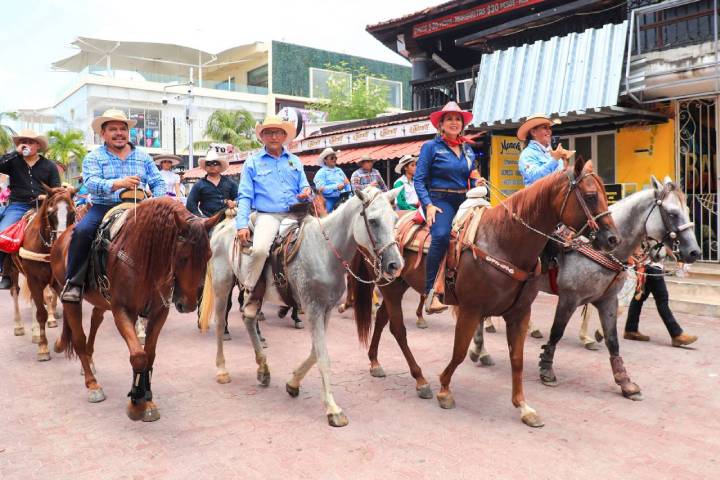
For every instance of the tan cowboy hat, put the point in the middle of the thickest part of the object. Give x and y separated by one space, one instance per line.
30 135
324 154
365 158
213 155
166 157
535 121
111 115
404 161
273 121
436 117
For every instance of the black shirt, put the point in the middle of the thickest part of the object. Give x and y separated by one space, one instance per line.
206 199
26 182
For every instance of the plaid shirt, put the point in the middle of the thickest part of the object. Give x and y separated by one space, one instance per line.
361 179
101 168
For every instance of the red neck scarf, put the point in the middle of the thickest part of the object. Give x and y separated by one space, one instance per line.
457 142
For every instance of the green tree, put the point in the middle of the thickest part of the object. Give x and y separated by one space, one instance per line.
64 146
6 133
351 96
236 127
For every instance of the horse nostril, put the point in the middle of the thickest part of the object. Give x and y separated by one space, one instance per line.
613 241
694 254
392 267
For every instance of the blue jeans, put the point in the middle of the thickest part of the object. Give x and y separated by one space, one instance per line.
449 203
12 214
330 203
81 241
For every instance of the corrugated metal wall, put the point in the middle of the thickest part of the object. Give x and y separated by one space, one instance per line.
564 74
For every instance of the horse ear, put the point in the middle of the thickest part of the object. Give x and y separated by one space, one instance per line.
579 165
392 195
655 183
359 193
181 221
209 223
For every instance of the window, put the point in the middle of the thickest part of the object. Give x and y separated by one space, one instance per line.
464 90
258 77
148 130
392 87
228 85
598 147
321 81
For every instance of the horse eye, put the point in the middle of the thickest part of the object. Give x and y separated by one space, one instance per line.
373 222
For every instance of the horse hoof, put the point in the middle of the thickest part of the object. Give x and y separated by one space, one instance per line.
263 376
299 325
342 308
474 356
36 339
51 323
425 392
634 395
549 381
263 342
536 334
19 331
222 378
592 346
421 323
58 346
136 411
43 356
292 391
446 401
260 317
226 337
151 413
487 361
96 396
377 372
337 419
533 420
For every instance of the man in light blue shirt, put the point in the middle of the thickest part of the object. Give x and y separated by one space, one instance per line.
272 181
107 171
330 180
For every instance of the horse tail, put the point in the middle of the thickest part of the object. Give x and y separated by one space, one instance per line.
64 343
362 294
208 300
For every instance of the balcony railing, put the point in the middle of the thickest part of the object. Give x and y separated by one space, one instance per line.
673 24
457 86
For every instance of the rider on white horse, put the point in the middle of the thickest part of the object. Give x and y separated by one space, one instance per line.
272 180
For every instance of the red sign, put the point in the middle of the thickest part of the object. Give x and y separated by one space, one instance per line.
470 15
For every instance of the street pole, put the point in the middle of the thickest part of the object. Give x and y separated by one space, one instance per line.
174 148
188 117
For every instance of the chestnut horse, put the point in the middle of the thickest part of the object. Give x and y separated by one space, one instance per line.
158 257
514 233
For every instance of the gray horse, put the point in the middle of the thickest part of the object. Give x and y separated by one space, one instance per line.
658 213
316 276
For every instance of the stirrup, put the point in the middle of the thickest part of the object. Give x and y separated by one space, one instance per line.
428 304
71 293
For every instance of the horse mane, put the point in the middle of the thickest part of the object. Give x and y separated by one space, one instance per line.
523 203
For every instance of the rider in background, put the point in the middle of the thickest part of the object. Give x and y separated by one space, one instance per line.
407 199
330 180
444 170
367 175
214 191
166 163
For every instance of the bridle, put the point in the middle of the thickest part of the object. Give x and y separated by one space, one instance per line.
672 232
591 221
53 231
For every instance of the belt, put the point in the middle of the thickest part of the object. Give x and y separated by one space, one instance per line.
461 191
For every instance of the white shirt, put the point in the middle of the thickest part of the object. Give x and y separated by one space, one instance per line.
171 179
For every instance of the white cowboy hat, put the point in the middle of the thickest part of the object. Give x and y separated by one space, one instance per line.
166 157
404 161
111 115
365 158
326 153
30 135
535 121
272 121
213 155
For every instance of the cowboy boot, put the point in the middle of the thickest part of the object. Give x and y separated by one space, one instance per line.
254 301
683 339
637 336
433 304
73 290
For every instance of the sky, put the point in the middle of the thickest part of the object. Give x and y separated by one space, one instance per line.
36 33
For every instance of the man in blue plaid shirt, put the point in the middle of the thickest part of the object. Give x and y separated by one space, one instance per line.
107 171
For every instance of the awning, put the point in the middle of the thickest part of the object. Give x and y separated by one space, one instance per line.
577 73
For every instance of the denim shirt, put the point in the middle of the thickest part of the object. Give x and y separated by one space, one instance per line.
330 178
101 168
536 162
439 167
269 184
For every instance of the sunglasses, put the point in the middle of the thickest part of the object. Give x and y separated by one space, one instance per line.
212 163
331 157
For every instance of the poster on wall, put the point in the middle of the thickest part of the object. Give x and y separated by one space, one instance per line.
504 156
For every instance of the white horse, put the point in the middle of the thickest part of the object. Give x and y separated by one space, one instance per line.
316 276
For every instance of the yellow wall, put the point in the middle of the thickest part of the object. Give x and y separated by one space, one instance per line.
634 166
504 175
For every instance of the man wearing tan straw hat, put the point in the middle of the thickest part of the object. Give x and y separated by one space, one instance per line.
27 171
330 180
165 163
107 171
214 192
538 159
272 181
367 175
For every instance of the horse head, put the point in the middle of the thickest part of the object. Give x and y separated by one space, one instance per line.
192 253
59 208
585 205
669 221
374 229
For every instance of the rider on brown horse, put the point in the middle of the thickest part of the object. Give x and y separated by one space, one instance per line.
115 166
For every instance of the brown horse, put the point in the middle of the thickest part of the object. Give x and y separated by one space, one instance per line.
508 286
159 257
55 214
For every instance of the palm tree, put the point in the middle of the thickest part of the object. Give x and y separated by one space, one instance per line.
6 133
236 127
64 146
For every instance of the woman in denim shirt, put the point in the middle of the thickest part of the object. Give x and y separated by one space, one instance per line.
444 169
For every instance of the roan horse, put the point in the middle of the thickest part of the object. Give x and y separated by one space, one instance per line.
316 276
159 257
55 213
514 233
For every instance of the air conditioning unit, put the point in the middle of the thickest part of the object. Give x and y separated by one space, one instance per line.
464 90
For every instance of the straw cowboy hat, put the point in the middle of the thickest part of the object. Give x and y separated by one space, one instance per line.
166 157
324 154
111 115
213 155
436 117
365 158
30 135
273 121
535 121
404 161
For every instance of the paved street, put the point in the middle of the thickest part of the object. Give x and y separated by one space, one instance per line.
241 430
